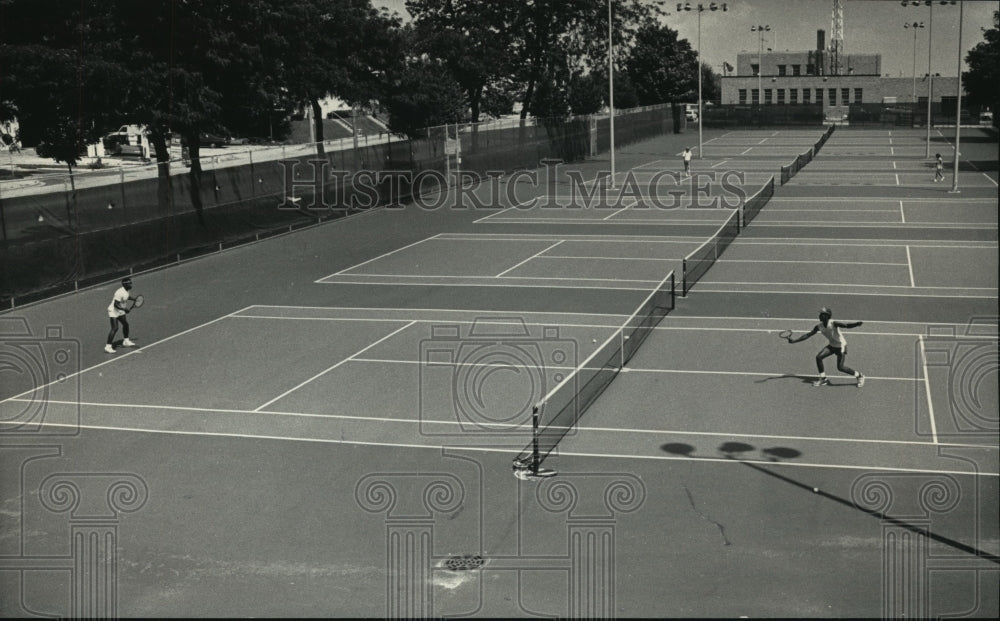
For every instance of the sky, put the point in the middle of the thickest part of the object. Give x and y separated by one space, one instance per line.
870 27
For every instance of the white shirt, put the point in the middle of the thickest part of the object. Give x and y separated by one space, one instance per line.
121 295
687 156
833 334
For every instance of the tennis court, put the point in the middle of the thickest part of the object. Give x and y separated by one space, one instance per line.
324 423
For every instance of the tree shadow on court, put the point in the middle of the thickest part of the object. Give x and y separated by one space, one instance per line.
740 452
809 379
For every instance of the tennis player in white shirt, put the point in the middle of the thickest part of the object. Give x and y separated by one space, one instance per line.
117 310
837 346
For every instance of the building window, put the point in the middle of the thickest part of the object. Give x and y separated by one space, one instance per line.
755 69
781 70
857 95
819 96
796 69
781 96
833 96
743 95
805 95
755 93
810 69
767 96
845 96
793 95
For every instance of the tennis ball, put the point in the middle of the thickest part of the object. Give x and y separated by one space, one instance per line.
815 490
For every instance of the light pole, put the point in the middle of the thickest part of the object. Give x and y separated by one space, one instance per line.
915 26
611 94
760 62
700 8
958 104
930 72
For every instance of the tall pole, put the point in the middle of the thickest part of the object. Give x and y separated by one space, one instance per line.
611 94
958 104
760 68
699 85
914 99
930 79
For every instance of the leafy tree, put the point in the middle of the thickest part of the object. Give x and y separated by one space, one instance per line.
981 80
328 48
421 95
662 66
587 93
474 38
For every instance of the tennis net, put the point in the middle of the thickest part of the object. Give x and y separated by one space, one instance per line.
561 409
753 205
697 263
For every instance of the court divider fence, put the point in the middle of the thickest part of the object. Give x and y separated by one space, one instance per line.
789 171
73 231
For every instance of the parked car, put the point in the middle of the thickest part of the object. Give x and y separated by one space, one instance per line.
208 139
691 111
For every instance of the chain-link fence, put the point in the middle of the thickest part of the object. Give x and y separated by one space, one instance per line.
61 232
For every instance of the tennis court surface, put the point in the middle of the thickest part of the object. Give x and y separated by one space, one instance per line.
327 423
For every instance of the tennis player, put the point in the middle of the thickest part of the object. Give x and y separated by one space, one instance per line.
687 161
837 346
938 168
116 312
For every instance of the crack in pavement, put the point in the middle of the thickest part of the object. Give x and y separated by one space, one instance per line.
722 529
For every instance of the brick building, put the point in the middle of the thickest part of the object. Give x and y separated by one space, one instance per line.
815 77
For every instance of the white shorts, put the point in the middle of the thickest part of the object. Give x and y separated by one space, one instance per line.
116 313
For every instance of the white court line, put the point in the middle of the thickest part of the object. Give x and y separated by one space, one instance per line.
509 451
894 164
514 206
902 217
384 254
720 163
762 141
806 262
463 311
793 291
992 180
897 179
560 278
528 259
133 351
618 211
859 199
324 372
630 369
871 243
814 210
747 151
927 388
842 284
909 265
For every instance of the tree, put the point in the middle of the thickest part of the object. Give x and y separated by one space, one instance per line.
474 38
981 80
662 66
421 95
327 48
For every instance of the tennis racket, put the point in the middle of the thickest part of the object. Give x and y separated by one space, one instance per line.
137 302
785 334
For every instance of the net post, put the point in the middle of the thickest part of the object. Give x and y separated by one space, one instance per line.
684 276
536 457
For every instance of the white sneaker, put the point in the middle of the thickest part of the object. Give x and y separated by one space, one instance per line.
109 349
127 343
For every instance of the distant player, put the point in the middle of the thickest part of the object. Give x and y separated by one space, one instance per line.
837 346
117 310
687 162
938 168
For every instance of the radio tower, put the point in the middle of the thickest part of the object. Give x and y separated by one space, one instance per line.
837 37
